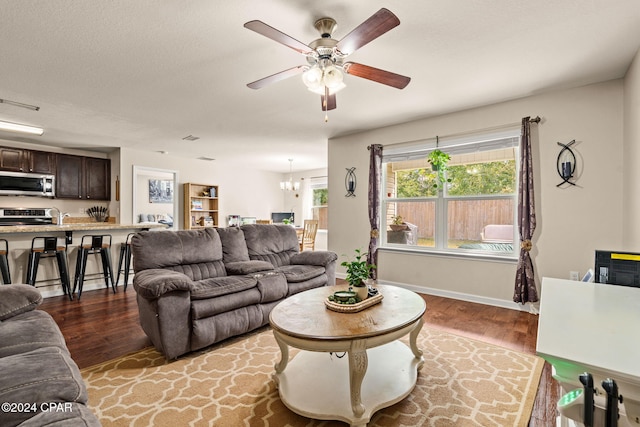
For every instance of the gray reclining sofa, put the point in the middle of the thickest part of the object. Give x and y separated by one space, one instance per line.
199 287
39 382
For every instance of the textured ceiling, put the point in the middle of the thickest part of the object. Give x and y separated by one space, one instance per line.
144 74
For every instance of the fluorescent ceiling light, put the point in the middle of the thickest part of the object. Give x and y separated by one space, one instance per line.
15 127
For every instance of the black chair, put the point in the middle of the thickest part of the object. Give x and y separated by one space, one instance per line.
125 257
4 263
49 246
94 244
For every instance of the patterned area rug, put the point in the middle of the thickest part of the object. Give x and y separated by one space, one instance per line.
462 383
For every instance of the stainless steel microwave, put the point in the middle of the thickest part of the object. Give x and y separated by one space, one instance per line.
27 184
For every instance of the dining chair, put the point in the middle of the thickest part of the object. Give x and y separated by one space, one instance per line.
308 238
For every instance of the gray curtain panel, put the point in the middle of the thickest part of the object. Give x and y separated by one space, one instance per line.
375 172
525 287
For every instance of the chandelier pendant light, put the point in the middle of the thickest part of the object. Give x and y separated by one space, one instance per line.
290 185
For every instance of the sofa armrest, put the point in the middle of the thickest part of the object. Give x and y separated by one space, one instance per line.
18 299
247 267
323 258
155 282
327 259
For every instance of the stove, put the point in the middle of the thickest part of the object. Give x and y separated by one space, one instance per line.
25 216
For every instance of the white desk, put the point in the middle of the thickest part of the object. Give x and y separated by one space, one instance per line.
595 328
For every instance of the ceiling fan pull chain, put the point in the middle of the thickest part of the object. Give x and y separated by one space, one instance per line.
324 104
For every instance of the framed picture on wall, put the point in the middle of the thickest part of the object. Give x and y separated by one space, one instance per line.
160 191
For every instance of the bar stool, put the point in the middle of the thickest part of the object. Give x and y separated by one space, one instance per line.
125 256
41 245
4 262
94 244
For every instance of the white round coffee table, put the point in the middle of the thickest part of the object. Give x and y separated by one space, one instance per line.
377 371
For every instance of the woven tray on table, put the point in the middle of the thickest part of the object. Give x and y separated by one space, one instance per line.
353 308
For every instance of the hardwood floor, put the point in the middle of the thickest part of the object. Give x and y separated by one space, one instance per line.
103 326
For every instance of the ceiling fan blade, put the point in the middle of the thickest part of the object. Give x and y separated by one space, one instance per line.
331 102
378 24
277 35
377 75
259 84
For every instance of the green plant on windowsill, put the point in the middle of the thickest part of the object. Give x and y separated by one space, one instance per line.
439 161
397 223
358 271
288 221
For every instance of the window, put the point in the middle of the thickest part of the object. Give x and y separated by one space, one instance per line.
474 213
319 203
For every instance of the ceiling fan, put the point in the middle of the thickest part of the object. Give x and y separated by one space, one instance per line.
325 56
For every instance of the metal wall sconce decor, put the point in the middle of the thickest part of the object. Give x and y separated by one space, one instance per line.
350 182
566 163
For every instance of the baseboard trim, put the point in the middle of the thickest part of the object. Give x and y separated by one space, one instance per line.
530 308
55 291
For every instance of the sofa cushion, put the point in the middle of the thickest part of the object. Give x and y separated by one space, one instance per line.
272 243
200 271
316 282
300 273
16 299
29 331
186 247
247 267
234 247
37 377
220 286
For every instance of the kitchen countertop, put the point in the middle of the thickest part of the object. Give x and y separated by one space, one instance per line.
7 229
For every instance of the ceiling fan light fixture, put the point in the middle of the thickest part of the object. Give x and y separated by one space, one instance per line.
332 77
312 78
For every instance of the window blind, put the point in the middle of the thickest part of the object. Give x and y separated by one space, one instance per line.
469 143
316 182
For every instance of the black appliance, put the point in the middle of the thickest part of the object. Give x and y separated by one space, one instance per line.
279 217
618 268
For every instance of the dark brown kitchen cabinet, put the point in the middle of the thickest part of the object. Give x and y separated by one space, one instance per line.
19 160
42 162
97 178
12 159
86 178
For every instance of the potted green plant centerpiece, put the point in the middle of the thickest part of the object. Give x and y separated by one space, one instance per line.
358 272
439 161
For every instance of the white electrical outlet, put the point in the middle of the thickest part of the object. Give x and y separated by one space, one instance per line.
574 275
81 210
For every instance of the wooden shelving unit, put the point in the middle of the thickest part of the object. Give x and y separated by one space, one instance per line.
199 206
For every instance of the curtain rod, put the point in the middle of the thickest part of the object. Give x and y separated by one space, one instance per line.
536 119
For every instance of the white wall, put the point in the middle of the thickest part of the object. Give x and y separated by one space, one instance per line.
144 206
242 191
631 199
572 221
